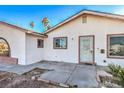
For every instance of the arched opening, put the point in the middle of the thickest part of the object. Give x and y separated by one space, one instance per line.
4 48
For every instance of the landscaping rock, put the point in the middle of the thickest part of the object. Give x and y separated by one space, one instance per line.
33 78
111 85
104 76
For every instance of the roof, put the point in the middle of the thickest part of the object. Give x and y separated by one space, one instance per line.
90 12
24 30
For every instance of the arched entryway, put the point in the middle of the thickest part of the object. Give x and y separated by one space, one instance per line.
5 52
4 47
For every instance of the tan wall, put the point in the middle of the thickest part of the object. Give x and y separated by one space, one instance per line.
97 26
16 40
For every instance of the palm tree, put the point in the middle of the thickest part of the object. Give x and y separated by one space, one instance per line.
46 23
32 24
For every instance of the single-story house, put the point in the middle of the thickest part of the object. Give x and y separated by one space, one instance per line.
87 37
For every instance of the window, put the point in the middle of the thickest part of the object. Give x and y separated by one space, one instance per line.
40 43
4 48
116 46
60 43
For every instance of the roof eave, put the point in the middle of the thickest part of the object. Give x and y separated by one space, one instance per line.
96 13
38 34
25 30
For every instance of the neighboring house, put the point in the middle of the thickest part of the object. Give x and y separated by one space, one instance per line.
86 37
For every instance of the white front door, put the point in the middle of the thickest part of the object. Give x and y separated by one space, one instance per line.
86 51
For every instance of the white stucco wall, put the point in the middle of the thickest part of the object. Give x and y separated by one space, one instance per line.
24 46
33 54
98 26
16 40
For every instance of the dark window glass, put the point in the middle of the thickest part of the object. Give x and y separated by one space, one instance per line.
116 46
60 43
40 43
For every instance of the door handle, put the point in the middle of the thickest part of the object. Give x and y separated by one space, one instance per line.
91 51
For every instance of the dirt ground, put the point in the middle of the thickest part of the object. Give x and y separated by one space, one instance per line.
11 80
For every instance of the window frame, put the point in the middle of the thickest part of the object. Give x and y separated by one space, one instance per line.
42 43
108 46
54 47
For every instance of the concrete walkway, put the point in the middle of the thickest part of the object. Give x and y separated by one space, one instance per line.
66 73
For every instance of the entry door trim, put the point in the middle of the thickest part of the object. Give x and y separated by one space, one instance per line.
93 48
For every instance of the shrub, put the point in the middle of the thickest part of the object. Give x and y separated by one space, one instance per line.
121 76
117 72
114 69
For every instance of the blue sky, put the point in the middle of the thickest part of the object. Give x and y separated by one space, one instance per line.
23 15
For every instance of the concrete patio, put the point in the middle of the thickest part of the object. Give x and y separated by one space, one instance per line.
73 74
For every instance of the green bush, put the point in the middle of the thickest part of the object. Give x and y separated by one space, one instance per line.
117 72
121 76
114 69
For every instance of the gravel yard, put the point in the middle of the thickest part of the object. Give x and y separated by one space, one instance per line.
11 80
